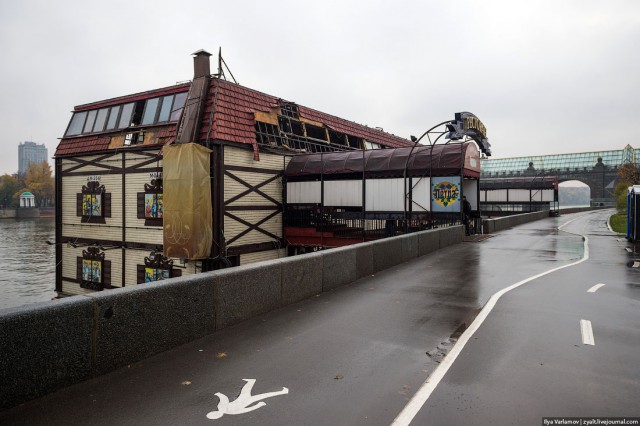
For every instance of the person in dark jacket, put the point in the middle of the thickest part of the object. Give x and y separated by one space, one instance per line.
466 213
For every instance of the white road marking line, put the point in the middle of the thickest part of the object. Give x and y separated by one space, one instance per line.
628 250
587 332
636 264
422 395
595 288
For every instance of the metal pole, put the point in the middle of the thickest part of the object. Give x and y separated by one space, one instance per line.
406 164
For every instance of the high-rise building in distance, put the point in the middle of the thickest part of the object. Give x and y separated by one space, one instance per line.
30 152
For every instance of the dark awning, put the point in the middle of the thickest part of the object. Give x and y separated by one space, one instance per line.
423 160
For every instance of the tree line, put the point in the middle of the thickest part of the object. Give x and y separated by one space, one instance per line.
628 174
38 180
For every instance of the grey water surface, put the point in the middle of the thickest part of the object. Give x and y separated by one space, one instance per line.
28 272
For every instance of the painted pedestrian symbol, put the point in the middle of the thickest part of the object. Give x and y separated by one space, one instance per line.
242 404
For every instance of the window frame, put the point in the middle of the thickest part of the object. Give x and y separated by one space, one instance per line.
82 114
156 261
91 189
154 188
86 122
93 255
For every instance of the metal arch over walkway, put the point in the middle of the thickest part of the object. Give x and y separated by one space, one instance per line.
597 169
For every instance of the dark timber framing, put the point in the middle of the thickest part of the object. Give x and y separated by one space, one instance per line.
153 156
271 204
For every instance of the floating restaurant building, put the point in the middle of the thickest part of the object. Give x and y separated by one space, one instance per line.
183 179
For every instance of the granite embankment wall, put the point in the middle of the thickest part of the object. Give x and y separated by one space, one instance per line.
29 213
50 345
489 226
7 213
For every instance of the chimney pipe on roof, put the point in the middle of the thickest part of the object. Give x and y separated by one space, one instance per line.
201 66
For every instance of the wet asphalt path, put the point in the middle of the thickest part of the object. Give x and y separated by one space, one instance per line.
356 355
529 359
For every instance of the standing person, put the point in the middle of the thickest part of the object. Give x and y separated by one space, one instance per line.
466 214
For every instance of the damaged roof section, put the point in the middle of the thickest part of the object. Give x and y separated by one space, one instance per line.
239 114
230 113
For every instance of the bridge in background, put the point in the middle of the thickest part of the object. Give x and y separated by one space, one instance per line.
599 170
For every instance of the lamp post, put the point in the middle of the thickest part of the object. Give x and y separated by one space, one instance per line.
415 143
465 125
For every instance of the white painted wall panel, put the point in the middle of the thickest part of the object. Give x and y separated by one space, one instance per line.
259 256
385 195
522 195
421 194
548 195
303 192
470 190
343 193
497 195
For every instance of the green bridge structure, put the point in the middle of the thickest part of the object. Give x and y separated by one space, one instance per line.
598 170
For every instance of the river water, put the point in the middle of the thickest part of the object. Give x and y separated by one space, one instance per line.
29 272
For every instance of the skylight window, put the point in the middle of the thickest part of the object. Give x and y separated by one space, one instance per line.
77 122
144 112
88 125
113 117
100 120
150 111
178 106
165 109
125 117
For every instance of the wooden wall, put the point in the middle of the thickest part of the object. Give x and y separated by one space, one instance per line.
252 195
252 203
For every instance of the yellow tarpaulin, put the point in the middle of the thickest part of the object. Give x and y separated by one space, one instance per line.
187 201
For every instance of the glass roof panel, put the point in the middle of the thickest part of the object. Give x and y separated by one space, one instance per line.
560 161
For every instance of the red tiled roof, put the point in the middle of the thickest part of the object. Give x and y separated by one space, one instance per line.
82 145
234 117
234 112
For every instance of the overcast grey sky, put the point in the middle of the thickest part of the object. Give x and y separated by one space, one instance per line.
545 77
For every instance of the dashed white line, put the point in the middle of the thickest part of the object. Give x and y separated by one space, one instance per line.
595 288
587 332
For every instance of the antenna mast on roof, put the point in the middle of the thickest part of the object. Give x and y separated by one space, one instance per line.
221 62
